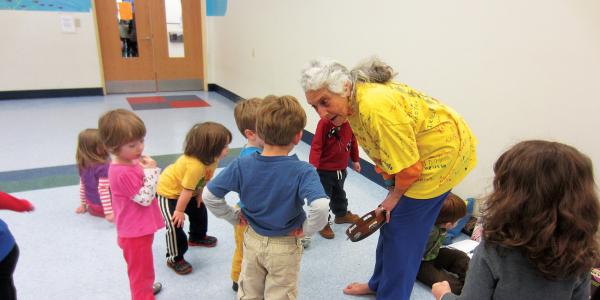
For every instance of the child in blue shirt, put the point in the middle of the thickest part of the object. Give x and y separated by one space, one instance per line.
272 187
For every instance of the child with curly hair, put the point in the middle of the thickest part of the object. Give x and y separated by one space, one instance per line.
539 228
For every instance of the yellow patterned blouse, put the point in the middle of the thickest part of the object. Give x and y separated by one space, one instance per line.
398 126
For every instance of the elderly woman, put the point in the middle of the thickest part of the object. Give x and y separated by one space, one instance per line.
421 147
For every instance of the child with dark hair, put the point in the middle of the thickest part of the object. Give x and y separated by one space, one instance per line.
539 228
181 183
445 264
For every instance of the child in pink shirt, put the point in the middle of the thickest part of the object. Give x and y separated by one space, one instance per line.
132 178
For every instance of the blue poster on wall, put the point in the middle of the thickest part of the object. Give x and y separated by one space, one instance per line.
216 8
47 5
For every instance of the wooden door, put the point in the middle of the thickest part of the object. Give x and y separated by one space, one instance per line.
150 67
178 73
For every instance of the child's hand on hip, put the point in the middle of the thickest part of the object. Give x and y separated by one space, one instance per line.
243 220
298 232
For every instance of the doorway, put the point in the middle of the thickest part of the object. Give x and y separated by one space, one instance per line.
151 45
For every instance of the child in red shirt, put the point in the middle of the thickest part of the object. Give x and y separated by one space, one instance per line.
330 150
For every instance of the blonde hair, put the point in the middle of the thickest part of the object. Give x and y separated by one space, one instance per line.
90 149
205 141
118 127
245 114
279 120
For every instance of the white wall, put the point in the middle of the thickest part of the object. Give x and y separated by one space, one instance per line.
36 55
514 69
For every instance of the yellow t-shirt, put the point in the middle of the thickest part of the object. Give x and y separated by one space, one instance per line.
397 126
186 173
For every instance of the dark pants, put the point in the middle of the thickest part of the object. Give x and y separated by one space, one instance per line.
333 184
445 266
176 237
7 268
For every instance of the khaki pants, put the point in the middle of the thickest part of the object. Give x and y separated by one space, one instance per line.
270 267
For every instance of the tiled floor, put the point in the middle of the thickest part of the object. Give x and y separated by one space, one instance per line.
70 256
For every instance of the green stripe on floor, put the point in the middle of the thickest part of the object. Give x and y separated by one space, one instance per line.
14 181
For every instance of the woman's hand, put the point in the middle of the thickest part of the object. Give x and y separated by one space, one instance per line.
439 289
388 204
178 218
356 166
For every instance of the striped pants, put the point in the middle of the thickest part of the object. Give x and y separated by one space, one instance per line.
176 237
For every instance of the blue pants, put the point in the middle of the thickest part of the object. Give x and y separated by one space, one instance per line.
401 245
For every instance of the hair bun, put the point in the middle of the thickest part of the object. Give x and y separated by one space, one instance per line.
373 70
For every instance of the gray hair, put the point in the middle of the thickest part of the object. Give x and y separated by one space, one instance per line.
372 70
334 76
325 73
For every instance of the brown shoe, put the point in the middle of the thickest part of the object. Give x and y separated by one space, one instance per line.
326 232
349 218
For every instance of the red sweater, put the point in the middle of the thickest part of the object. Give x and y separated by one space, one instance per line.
9 202
332 146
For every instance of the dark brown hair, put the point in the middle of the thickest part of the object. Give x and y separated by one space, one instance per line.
245 113
90 149
544 203
279 120
205 141
452 210
119 127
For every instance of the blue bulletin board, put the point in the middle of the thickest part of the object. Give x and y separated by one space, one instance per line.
47 5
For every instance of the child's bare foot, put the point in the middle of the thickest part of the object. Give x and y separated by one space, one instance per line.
356 288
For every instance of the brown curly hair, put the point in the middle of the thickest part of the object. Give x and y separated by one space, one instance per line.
544 203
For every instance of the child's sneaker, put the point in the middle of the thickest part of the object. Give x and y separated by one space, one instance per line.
207 241
180 267
305 241
234 287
